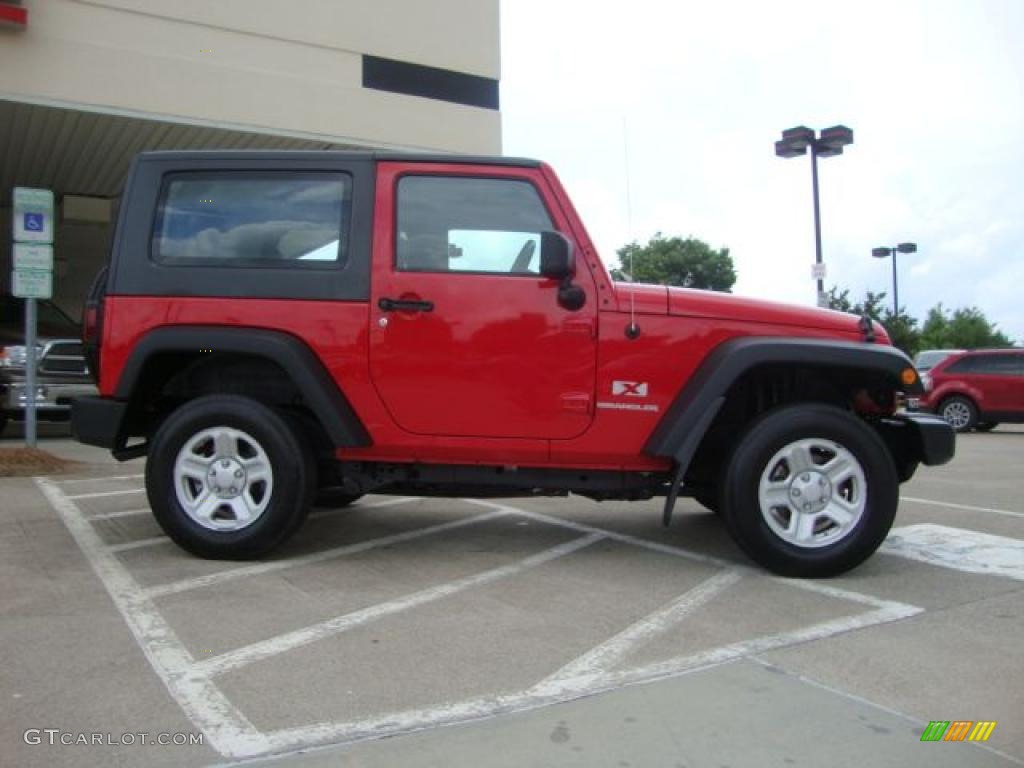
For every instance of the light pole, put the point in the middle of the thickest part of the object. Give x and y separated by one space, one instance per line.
883 252
828 143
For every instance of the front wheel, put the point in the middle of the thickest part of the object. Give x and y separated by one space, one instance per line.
227 478
810 491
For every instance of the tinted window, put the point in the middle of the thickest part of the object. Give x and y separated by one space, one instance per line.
963 365
469 225
254 219
999 365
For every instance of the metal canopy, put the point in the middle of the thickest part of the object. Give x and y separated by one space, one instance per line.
75 152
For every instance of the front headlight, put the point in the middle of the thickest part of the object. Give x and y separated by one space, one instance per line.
926 382
16 357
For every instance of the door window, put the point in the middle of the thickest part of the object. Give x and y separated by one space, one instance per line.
470 225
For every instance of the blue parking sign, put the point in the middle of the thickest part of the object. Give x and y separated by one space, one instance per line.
34 222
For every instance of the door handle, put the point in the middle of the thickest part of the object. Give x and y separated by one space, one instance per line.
405 305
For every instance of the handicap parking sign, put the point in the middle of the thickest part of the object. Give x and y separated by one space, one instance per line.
33 215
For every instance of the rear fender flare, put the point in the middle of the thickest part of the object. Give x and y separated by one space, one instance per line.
319 390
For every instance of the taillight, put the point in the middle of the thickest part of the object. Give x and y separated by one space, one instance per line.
92 324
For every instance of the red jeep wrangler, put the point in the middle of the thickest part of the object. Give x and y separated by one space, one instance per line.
274 326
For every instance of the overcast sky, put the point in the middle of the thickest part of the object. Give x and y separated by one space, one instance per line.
696 93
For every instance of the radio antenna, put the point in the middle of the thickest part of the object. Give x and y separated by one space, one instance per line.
632 330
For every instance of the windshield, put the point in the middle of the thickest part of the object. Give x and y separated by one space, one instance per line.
930 358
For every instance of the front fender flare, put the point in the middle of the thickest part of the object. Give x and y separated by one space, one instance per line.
688 418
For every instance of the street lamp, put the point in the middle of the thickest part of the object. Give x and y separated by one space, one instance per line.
883 252
828 143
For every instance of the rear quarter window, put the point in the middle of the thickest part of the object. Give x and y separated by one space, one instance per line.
264 219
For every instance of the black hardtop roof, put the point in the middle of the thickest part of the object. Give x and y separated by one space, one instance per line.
313 154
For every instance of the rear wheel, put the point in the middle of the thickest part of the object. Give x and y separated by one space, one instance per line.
227 478
811 490
959 412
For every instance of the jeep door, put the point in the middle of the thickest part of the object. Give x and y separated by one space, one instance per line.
467 338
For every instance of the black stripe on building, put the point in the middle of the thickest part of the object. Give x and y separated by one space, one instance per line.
429 82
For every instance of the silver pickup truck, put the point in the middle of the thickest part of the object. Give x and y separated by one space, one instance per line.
61 371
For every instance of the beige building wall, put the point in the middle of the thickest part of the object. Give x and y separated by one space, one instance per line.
88 83
287 68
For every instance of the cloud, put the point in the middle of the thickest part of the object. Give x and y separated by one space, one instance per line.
931 89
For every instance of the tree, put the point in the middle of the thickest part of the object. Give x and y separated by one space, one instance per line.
901 327
964 328
688 263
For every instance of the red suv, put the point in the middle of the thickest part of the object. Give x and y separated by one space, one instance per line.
977 389
276 327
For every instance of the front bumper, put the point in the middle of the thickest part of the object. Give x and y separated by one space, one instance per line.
52 398
921 437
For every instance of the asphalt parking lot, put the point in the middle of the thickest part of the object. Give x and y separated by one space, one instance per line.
510 632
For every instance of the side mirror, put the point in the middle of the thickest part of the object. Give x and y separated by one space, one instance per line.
557 261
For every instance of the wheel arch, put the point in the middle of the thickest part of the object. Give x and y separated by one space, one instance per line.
164 355
760 372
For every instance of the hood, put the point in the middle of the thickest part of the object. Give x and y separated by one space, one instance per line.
688 302
645 299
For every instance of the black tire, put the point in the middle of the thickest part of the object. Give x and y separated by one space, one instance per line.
960 412
285 498
334 498
986 426
875 489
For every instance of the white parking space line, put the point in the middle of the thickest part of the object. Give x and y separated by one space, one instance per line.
615 536
967 507
227 729
893 611
596 663
106 493
137 544
958 548
316 514
484 707
226 662
348 549
101 479
122 513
